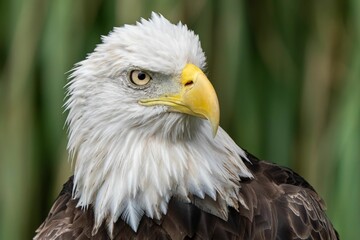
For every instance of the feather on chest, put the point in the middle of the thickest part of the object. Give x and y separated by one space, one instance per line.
140 175
273 208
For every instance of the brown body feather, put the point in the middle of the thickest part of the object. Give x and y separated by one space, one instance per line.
280 205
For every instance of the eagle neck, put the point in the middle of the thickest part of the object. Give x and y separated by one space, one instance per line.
129 174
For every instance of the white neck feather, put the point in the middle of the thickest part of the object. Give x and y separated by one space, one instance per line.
129 173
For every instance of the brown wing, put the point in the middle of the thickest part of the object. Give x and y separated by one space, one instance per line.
280 205
284 204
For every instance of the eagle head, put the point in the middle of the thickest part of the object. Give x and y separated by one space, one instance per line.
142 120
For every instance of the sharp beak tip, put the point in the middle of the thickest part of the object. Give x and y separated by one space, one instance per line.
214 130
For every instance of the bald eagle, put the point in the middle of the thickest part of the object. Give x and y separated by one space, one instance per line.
150 160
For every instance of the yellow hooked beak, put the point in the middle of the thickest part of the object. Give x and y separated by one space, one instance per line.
196 97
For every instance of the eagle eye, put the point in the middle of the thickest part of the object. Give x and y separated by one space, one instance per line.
139 77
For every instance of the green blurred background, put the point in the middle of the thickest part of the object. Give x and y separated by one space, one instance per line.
287 74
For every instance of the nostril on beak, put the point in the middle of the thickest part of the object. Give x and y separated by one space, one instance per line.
189 83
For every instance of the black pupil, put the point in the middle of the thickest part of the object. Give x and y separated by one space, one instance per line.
141 76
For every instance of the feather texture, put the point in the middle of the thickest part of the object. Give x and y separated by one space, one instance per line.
280 205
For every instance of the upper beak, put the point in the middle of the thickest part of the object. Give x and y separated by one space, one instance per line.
196 97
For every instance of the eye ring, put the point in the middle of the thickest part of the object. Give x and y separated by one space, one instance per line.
139 77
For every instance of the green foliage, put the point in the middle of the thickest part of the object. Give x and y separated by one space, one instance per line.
287 74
